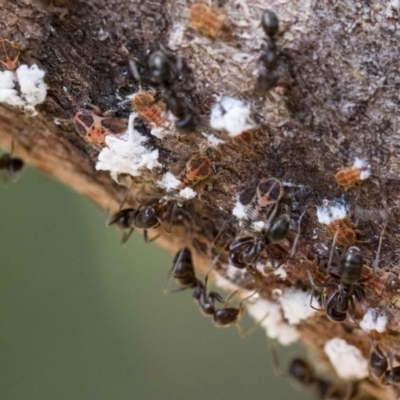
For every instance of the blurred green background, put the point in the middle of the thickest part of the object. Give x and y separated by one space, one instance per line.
83 318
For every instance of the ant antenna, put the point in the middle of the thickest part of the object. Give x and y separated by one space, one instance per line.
296 240
134 70
178 260
12 146
213 264
332 250
214 243
126 196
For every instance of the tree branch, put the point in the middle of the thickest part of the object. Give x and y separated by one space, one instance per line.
336 101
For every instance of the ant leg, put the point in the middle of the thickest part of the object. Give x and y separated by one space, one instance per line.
126 236
125 196
332 250
376 261
178 260
251 330
314 286
229 298
214 262
147 240
214 243
275 359
350 391
271 216
134 70
296 240
360 295
169 228
352 310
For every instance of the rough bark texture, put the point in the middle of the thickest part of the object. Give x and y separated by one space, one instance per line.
339 63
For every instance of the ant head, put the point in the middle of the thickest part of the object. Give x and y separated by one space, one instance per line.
5 160
160 67
227 316
301 371
278 229
270 23
378 363
147 218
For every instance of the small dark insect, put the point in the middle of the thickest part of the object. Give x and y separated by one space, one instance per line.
184 275
342 300
226 316
379 366
182 272
392 376
10 167
245 251
123 219
268 77
206 301
300 371
161 71
149 217
378 363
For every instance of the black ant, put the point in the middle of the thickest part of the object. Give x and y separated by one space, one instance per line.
342 300
378 363
301 372
10 167
183 273
245 251
161 72
207 301
268 77
379 366
149 217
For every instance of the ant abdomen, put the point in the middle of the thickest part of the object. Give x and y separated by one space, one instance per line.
147 218
270 23
123 218
226 316
351 266
160 67
183 269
